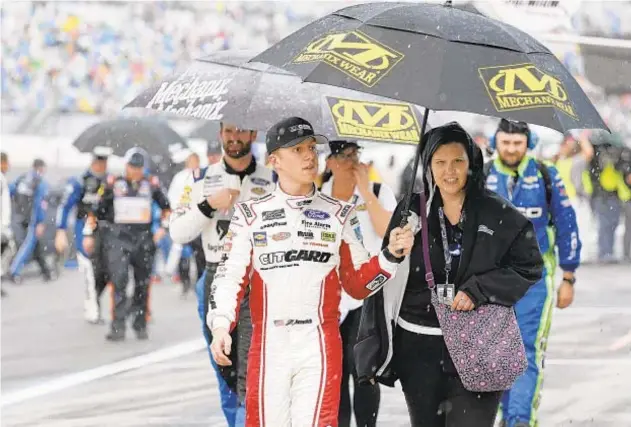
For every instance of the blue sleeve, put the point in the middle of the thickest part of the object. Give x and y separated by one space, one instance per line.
41 202
566 228
156 217
72 194
13 186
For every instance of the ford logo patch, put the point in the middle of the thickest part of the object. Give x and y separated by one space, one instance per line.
318 215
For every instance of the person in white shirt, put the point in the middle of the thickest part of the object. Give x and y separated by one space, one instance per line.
179 256
347 179
205 208
8 245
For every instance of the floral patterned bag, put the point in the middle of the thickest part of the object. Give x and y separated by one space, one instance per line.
485 344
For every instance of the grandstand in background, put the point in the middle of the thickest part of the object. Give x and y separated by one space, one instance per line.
66 65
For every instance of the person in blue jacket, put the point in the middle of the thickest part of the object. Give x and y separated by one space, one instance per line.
84 193
29 194
536 189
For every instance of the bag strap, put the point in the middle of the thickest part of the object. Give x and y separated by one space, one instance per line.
547 180
429 273
487 168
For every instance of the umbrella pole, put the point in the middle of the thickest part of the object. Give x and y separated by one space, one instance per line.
405 213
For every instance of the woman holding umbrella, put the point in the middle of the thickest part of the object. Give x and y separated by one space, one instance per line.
483 252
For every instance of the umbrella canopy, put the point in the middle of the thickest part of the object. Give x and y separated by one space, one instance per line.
225 87
209 131
121 135
440 57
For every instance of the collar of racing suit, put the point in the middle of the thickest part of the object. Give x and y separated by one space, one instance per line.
242 174
295 201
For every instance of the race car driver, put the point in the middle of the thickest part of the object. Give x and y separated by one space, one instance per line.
205 207
126 206
293 249
538 192
84 193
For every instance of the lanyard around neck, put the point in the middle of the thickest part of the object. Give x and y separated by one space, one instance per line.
443 236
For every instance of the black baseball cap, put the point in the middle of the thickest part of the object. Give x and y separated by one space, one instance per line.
136 160
338 146
291 132
214 147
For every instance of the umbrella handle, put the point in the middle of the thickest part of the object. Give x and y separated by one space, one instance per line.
405 212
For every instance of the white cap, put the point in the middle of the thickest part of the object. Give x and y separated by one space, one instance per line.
101 151
181 155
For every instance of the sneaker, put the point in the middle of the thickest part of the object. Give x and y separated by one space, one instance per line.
92 313
116 335
142 334
16 279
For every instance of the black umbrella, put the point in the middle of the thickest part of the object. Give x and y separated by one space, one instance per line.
154 136
225 87
440 57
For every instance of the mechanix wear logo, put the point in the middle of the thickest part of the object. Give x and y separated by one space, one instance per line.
524 86
381 121
354 54
192 95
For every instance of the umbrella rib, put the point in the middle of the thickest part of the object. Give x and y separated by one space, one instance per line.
388 27
406 5
273 70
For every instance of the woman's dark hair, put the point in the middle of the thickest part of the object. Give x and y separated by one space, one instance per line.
450 133
326 175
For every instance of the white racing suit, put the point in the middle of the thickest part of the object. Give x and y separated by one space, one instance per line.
294 253
6 234
190 218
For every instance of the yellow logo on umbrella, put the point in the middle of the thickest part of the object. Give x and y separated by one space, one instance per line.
353 53
381 121
524 86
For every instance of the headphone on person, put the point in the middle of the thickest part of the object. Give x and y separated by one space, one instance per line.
514 127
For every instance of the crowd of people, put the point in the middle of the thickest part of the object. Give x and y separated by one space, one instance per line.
126 220
78 58
93 59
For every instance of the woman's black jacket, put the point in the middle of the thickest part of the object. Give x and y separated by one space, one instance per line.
500 260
